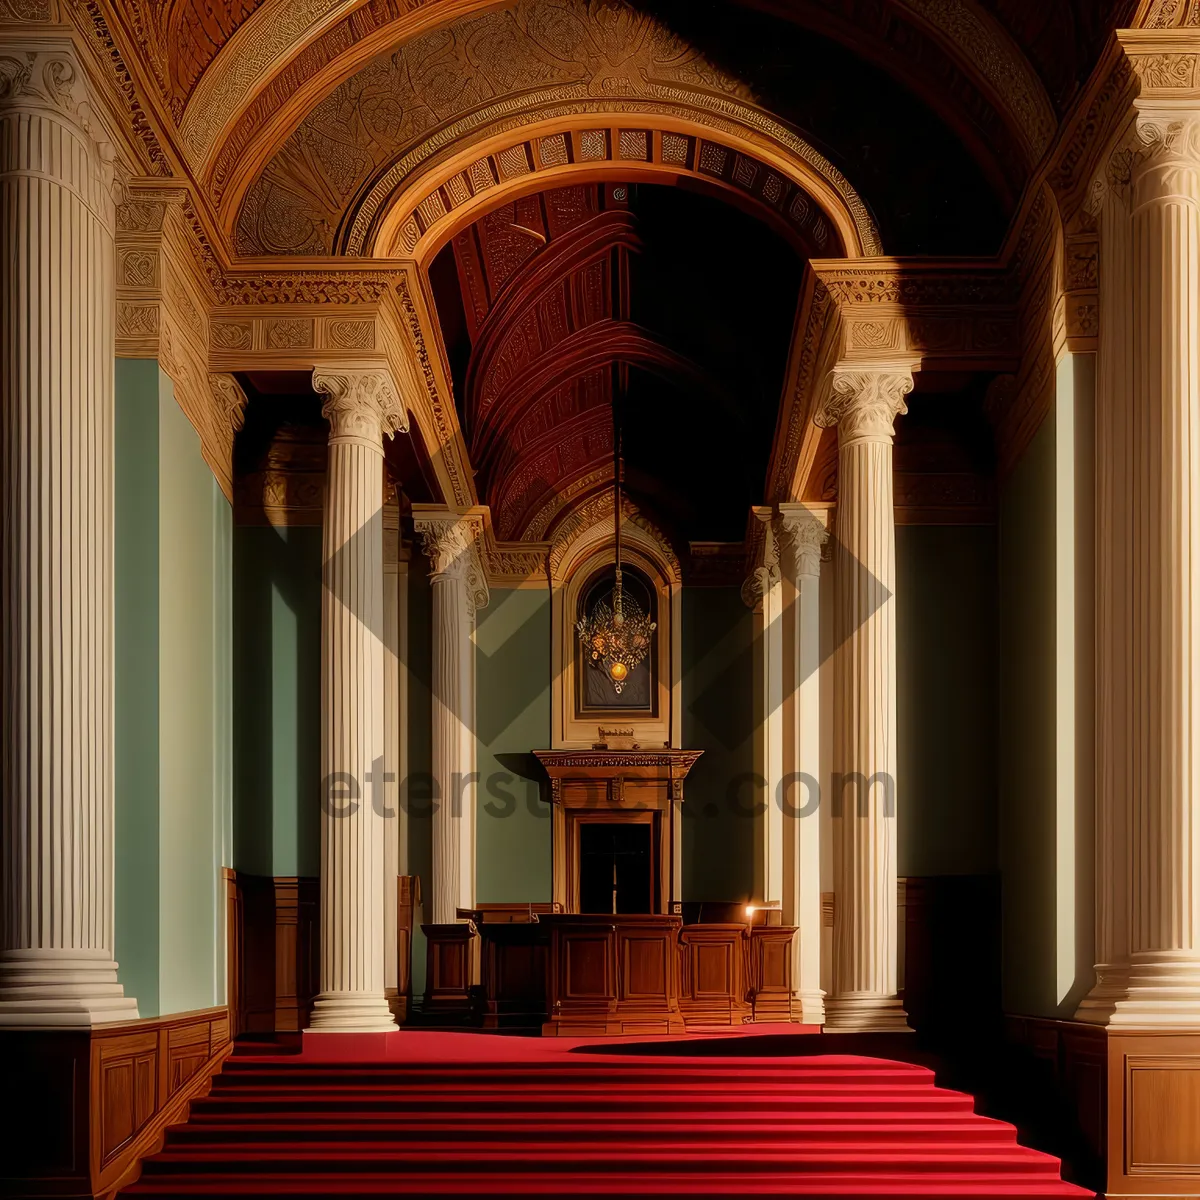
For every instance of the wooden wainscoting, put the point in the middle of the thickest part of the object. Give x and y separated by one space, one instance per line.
1135 1098
85 1107
274 949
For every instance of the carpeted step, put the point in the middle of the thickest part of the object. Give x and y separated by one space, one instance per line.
569 1125
630 1186
547 1127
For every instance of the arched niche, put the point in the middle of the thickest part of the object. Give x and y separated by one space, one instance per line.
579 559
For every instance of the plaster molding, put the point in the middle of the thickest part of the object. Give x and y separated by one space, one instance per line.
229 398
452 542
864 404
804 533
362 403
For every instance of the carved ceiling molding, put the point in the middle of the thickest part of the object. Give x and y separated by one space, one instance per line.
275 30
1168 14
510 65
924 314
794 188
589 526
410 332
981 44
126 100
933 46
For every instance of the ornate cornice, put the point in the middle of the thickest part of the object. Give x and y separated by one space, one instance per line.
982 42
229 398
362 403
865 403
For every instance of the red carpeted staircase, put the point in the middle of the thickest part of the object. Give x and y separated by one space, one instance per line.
571 1124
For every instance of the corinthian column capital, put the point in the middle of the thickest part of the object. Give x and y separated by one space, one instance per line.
864 403
1167 141
450 542
362 403
803 533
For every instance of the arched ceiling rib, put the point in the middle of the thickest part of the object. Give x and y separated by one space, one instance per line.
560 304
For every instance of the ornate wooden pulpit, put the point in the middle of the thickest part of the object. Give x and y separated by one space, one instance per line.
613 956
623 788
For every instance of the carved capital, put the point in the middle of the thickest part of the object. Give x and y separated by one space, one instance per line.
1167 137
803 534
864 404
450 543
229 399
362 403
758 583
47 77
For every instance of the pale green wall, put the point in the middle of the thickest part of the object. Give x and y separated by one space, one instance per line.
512 663
718 718
947 699
277 698
136 678
173 714
1047 707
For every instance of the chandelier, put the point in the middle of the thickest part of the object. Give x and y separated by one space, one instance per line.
616 637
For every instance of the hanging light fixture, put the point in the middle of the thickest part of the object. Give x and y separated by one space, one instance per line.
616 637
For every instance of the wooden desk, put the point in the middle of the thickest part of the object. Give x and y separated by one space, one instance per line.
613 975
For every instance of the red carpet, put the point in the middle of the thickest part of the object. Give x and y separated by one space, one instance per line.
469 1115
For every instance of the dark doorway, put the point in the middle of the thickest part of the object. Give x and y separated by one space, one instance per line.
615 868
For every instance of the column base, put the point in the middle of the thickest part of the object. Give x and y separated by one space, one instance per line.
61 989
865 1014
809 1007
1156 991
351 1012
1112 985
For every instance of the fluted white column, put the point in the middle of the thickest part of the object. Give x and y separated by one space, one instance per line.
459 589
763 593
802 535
1161 624
360 406
864 404
57 352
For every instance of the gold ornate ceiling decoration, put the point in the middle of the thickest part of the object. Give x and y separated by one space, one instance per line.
535 61
454 187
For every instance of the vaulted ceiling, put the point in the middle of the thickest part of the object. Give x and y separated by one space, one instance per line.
560 304
648 255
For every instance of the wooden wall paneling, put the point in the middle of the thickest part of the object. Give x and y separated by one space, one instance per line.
771 983
233 949
408 898
256 941
1134 1095
89 1106
712 967
451 969
1153 1113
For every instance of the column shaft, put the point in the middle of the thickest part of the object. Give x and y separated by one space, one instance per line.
57 302
352 995
864 755
803 535
1164 930
458 590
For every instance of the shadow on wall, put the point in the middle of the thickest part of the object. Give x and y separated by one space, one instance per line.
277 700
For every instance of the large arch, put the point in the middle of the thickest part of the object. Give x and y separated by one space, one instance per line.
423 198
287 57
